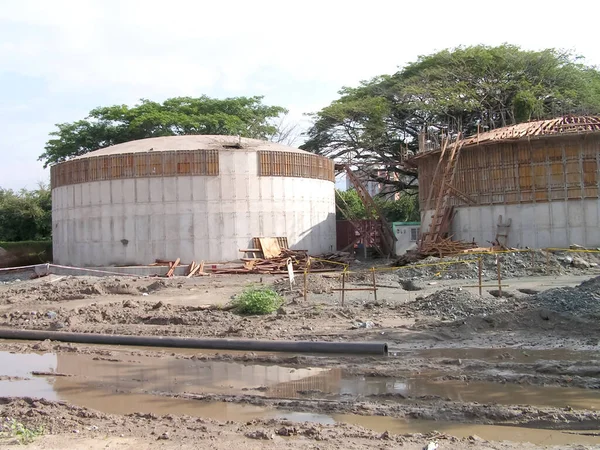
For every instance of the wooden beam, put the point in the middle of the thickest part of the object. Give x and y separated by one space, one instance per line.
461 195
194 270
172 269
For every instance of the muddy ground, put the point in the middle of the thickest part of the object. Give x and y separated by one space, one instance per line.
522 365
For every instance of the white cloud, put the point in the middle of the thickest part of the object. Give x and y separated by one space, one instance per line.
298 54
199 45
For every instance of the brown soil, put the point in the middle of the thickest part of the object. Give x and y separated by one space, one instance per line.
190 432
458 348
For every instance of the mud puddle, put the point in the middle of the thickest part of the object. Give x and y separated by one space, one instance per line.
136 374
121 386
126 374
477 392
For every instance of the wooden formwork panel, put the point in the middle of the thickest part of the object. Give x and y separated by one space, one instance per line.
135 165
288 164
523 172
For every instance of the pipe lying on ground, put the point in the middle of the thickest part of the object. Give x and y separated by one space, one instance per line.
362 348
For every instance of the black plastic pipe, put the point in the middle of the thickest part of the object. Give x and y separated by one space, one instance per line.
362 348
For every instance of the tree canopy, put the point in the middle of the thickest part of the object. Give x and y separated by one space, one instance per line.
105 126
405 209
454 90
25 215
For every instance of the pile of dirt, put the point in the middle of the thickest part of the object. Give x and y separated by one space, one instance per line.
572 310
76 427
453 304
512 265
129 312
139 317
77 288
316 284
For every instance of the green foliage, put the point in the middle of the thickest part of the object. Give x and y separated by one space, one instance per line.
105 126
405 209
349 202
11 428
451 90
25 215
257 301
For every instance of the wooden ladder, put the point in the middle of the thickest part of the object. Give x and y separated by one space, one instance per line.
388 237
442 216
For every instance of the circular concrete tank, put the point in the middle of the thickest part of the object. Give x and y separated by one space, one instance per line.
189 197
541 178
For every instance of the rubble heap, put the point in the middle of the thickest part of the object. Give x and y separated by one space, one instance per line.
512 265
452 304
582 299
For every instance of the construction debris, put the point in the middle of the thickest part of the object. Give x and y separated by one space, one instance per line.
300 261
451 304
445 247
275 265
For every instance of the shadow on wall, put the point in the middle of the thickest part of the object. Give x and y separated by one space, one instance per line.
317 239
15 254
321 236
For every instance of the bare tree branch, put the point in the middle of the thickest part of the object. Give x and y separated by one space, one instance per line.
287 132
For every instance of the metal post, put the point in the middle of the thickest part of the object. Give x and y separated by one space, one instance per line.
480 270
374 283
499 276
343 286
305 282
306 269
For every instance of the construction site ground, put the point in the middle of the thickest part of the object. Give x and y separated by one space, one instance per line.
517 369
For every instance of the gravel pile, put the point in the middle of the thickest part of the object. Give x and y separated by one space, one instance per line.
512 265
582 299
453 304
456 304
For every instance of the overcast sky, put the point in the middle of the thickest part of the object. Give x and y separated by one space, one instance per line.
60 59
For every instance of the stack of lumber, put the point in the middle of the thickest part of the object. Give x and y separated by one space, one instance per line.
445 247
273 259
278 264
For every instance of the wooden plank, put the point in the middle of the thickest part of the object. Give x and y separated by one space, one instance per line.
250 264
270 247
172 269
191 267
194 270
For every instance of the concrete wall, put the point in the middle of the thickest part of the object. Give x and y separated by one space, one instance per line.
136 221
536 225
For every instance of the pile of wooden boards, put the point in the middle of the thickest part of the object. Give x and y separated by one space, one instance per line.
278 264
274 255
445 247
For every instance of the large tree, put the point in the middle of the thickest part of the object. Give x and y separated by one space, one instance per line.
350 206
378 122
105 126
